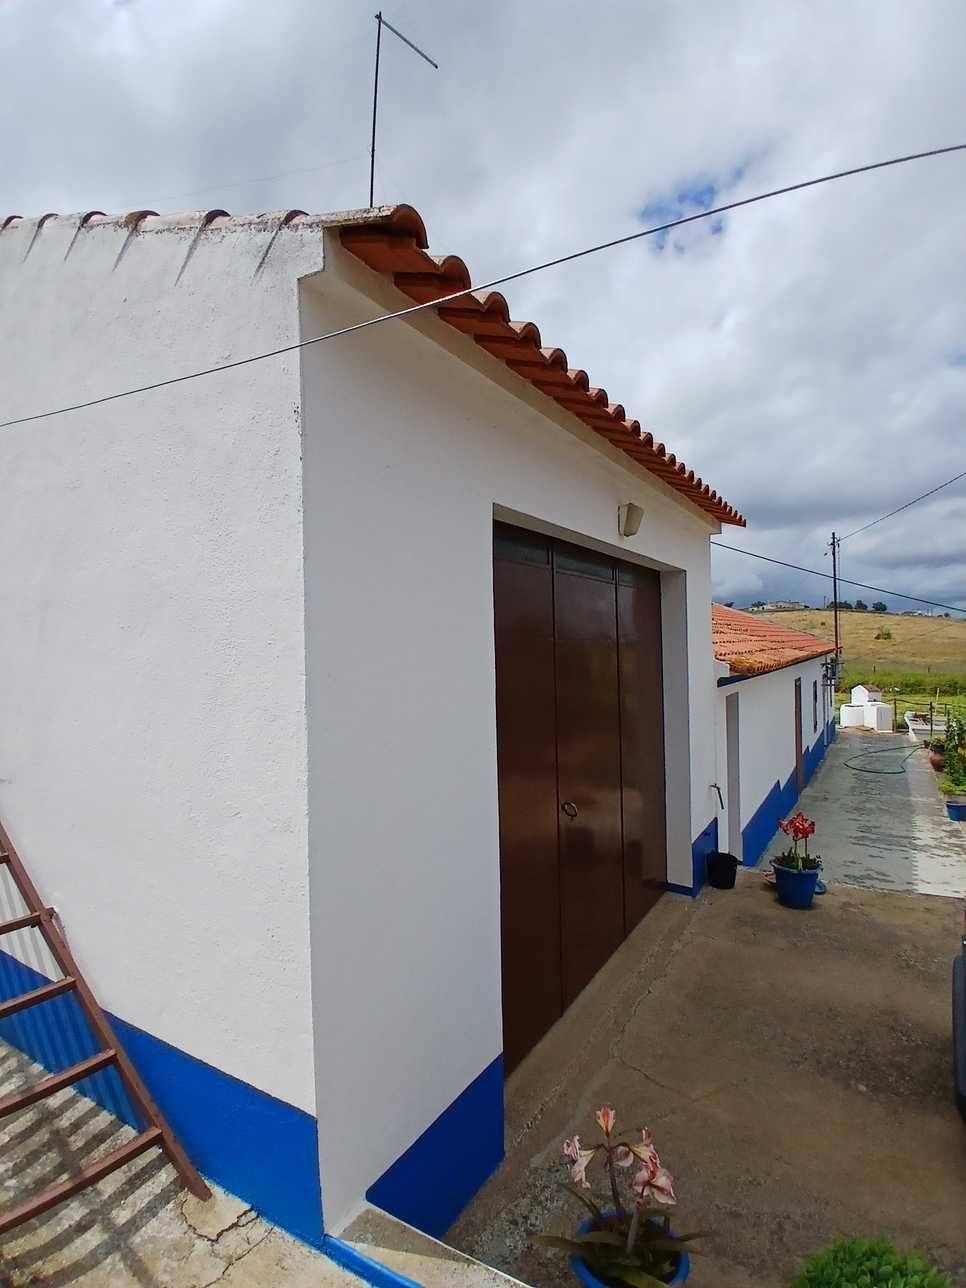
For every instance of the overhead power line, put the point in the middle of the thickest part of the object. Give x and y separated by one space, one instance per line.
484 286
915 500
879 590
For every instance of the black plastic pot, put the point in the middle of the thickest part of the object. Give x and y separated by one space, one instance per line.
721 870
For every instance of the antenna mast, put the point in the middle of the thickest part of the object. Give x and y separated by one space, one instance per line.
380 23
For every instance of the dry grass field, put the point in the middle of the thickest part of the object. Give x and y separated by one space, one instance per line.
921 644
920 659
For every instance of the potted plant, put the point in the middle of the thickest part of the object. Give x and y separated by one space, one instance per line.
953 786
630 1243
937 754
796 872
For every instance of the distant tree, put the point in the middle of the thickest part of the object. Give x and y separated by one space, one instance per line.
759 603
730 604
880 606
945 614
861 606
841 604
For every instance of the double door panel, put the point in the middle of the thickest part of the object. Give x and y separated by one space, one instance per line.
581 769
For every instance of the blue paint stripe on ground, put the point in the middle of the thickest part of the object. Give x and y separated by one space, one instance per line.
364 1268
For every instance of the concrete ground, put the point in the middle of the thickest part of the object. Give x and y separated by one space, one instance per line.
137 1227
884 830
795 1067
418 1257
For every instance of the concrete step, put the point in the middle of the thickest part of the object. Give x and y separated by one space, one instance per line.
424 1260
436 1272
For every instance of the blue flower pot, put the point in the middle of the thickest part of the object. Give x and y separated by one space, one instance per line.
956 811
590 1280
795 889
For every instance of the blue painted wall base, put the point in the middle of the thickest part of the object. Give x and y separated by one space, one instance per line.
701 847
431 1184
261 1149
778 804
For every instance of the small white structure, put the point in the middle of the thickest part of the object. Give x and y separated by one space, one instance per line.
867 710
254 721
774 721
862 694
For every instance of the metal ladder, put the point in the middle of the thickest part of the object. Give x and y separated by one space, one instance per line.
157 1135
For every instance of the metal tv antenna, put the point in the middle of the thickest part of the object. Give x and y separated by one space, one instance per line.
380 23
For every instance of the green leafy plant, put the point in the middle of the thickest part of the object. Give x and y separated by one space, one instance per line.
632 1243
955 753
868 1263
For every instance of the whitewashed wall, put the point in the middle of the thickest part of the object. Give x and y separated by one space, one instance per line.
408 454
766 706
152 731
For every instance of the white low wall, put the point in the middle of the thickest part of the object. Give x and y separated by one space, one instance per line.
766 706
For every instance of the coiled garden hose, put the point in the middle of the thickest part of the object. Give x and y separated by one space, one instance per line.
881 751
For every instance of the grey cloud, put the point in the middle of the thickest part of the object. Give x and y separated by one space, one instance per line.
804 361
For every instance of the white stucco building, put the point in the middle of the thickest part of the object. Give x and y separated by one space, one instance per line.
261 745
775 719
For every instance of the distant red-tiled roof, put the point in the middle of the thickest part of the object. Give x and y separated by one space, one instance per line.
752 646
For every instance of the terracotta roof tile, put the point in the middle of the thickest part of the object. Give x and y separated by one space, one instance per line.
392 240
752 646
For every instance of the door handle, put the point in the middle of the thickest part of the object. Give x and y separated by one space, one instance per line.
569 808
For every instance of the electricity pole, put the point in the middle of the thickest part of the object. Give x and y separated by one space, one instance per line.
835 595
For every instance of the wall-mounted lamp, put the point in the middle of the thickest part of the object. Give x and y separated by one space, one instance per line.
629 518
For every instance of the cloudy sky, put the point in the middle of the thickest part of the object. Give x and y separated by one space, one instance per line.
807 356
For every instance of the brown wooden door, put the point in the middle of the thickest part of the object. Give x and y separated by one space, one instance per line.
642 740
799 765
580 745
588 769
526 755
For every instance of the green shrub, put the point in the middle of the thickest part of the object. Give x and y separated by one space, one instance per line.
868 1263
949 685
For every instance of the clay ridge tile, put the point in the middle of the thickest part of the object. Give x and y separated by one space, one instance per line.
392 240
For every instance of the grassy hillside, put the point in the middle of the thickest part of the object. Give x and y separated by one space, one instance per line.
927 644
920 658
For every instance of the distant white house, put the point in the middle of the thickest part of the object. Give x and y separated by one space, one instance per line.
780 606
299 666
775 718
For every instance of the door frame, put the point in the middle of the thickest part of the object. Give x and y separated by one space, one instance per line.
733 752
799 745
615 558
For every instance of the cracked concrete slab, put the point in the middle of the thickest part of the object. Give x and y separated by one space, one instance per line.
137 1227
795 1069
